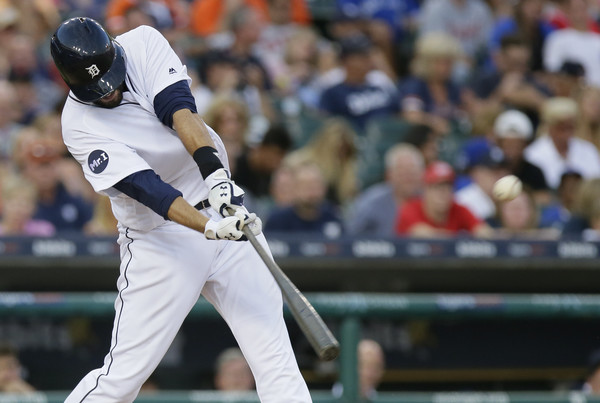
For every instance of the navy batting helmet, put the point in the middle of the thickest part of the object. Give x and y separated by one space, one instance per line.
90 61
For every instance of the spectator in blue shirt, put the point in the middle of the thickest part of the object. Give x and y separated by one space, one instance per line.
356 99
529 24
56 205
310 211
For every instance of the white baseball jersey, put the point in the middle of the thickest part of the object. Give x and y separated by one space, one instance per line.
111 144
165 266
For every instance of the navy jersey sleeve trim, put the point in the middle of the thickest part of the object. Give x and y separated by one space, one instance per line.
147 188
173 98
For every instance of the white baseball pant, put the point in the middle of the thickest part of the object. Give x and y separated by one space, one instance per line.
163 273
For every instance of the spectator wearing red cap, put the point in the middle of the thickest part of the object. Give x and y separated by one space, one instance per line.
436 214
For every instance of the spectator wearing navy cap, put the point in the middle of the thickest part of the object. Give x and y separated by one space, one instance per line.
356 99
436 213
484 167
569 80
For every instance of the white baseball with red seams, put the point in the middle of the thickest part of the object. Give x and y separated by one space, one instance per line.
165 267
507 188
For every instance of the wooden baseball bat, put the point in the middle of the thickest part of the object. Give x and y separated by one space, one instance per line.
316 331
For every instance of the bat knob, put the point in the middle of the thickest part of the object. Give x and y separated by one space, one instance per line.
330 353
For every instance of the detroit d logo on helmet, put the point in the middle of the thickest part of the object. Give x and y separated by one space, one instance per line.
93 70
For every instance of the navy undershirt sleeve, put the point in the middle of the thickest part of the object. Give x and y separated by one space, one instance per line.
173 98
147 188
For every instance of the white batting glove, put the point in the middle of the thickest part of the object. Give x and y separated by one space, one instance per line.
224 194
254 225
229 228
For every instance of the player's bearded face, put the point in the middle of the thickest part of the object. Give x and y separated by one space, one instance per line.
111 99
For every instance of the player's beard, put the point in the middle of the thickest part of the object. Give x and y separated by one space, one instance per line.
112 99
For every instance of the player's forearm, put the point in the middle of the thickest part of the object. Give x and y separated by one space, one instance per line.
185 214
192 131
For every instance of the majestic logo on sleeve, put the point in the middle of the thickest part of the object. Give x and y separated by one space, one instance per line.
93 70
98 161
172 70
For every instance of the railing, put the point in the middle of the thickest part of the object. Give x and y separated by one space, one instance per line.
350 309
71 263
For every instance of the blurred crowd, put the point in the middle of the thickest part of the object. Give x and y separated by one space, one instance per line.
340 117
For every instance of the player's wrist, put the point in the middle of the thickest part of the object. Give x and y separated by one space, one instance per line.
207 159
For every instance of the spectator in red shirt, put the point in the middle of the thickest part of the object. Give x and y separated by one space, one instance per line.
436 214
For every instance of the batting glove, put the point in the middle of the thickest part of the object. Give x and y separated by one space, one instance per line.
229 228
224 194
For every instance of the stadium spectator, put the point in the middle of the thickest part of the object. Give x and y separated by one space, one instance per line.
579 42
103 221
123 15
511 85
255 166
513 131
252 78
527 21
371 368
34 18
19 199
333 149
519 218
356 98
584 209
429 96
228 116
219 76
588 122
282 187
557 149
387 23
55 204
564 13
209 17
399 17
370 214
11 372
484 164
298 74
273 39
232 372
467 21
10 114
36 92
558 212
310 211
436 214
568 81
426 140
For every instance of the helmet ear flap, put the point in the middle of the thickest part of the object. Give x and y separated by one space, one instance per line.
89 60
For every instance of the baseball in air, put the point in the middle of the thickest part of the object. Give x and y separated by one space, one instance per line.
507 188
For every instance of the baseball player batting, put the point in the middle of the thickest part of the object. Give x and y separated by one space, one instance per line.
131 122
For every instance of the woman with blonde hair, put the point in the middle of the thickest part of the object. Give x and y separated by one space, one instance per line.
429 96
19 199
228 116
333 150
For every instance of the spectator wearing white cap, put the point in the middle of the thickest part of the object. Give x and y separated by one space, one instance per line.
513 131
557 149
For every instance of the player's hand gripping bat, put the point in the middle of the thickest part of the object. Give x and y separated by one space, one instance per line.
313 327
